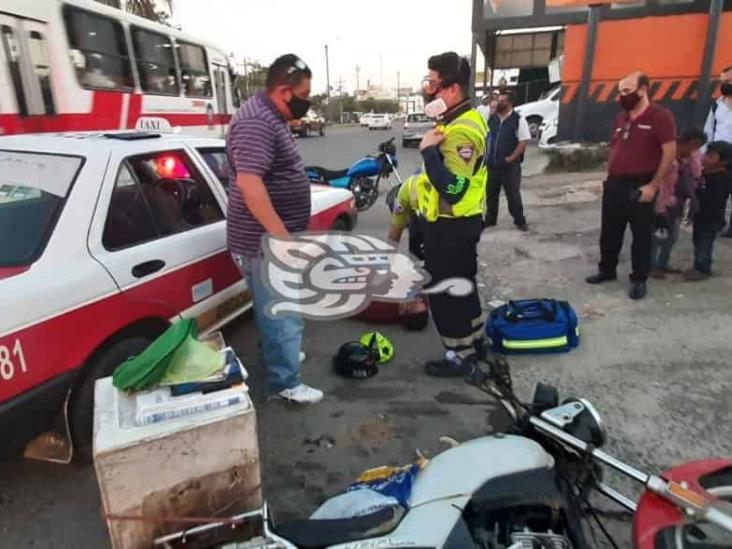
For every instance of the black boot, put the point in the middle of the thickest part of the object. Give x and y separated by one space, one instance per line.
599 278
638 290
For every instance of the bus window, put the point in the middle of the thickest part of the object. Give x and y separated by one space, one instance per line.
98 50
42 68
194 70
155 62
12 54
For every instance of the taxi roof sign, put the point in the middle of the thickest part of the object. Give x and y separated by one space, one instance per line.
154 124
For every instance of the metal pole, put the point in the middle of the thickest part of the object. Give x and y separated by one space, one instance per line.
705 90
593 20
473 62
399 83
327 74
485 65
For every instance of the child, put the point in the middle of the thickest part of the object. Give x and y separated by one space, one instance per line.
711 199
680 187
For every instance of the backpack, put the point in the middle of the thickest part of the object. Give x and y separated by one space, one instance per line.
533 326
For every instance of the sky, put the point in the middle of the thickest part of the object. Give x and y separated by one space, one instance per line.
400 33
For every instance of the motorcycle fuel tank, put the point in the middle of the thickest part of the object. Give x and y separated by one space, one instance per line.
467 467
367 166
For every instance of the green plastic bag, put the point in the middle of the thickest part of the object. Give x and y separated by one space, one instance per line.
148 368
192 361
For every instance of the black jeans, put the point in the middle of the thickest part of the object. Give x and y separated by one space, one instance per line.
620 209
507 177
450 247
704 235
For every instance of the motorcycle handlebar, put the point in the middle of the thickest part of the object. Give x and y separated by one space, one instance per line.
498 383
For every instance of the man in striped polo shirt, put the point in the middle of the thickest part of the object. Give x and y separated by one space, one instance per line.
271 196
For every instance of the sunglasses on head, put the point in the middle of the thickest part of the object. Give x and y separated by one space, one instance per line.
298 66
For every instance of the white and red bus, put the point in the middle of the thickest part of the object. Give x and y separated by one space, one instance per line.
81 65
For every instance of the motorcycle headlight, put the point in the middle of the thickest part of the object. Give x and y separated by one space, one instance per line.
579 418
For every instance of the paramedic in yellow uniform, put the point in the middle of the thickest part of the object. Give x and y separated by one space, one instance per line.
404 214
451 199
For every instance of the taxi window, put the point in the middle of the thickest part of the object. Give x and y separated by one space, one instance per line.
33 190
217 160
157 195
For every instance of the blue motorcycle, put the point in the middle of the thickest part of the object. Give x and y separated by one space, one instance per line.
363 177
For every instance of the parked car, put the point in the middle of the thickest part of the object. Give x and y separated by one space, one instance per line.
537 111
415 127
548 132
309 124
113 237
364 120
380 122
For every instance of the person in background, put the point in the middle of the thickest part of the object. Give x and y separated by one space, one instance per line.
405 214
719 126
642 149
711 196
271 196
674 194
509 136
484 108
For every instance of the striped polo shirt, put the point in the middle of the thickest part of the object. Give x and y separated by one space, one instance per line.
259 142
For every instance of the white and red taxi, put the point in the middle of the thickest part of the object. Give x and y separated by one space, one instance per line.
104 239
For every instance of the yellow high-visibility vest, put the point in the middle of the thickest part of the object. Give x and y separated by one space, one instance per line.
430 205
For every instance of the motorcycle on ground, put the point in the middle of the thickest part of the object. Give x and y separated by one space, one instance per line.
363 177
528 488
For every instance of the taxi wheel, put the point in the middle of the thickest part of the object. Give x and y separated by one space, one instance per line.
81 406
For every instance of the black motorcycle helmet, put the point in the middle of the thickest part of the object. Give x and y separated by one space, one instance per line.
356 361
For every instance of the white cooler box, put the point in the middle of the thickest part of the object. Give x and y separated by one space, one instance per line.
200 465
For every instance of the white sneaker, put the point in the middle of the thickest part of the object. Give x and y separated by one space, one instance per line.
302 394
303 356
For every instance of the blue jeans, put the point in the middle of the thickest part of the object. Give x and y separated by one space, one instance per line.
281 337
704 236
661 249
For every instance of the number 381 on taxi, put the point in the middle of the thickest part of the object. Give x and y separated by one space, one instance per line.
104 240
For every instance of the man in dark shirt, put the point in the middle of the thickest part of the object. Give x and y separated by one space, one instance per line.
642 149
271 196
711 205
507 141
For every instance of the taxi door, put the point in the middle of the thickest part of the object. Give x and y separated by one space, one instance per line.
159 230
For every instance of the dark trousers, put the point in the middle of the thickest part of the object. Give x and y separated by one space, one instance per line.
729 194
704 235
416 236
620 209
508 178
451 252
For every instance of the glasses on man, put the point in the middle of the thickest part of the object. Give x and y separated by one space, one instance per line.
432 86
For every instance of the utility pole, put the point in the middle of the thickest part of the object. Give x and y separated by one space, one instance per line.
398 89
381 73
327 74
340 97
358 83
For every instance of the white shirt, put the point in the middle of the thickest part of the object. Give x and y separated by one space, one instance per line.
485 111
723 130
523 133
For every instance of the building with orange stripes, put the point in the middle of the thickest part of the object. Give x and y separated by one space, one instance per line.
681 44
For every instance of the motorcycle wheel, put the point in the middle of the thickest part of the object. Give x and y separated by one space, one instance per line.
365 192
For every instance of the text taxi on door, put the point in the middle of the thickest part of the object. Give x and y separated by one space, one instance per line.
104 239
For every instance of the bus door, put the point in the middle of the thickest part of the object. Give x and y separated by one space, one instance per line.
221 93
24 54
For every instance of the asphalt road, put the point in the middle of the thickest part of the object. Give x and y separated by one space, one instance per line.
375 422
657 370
